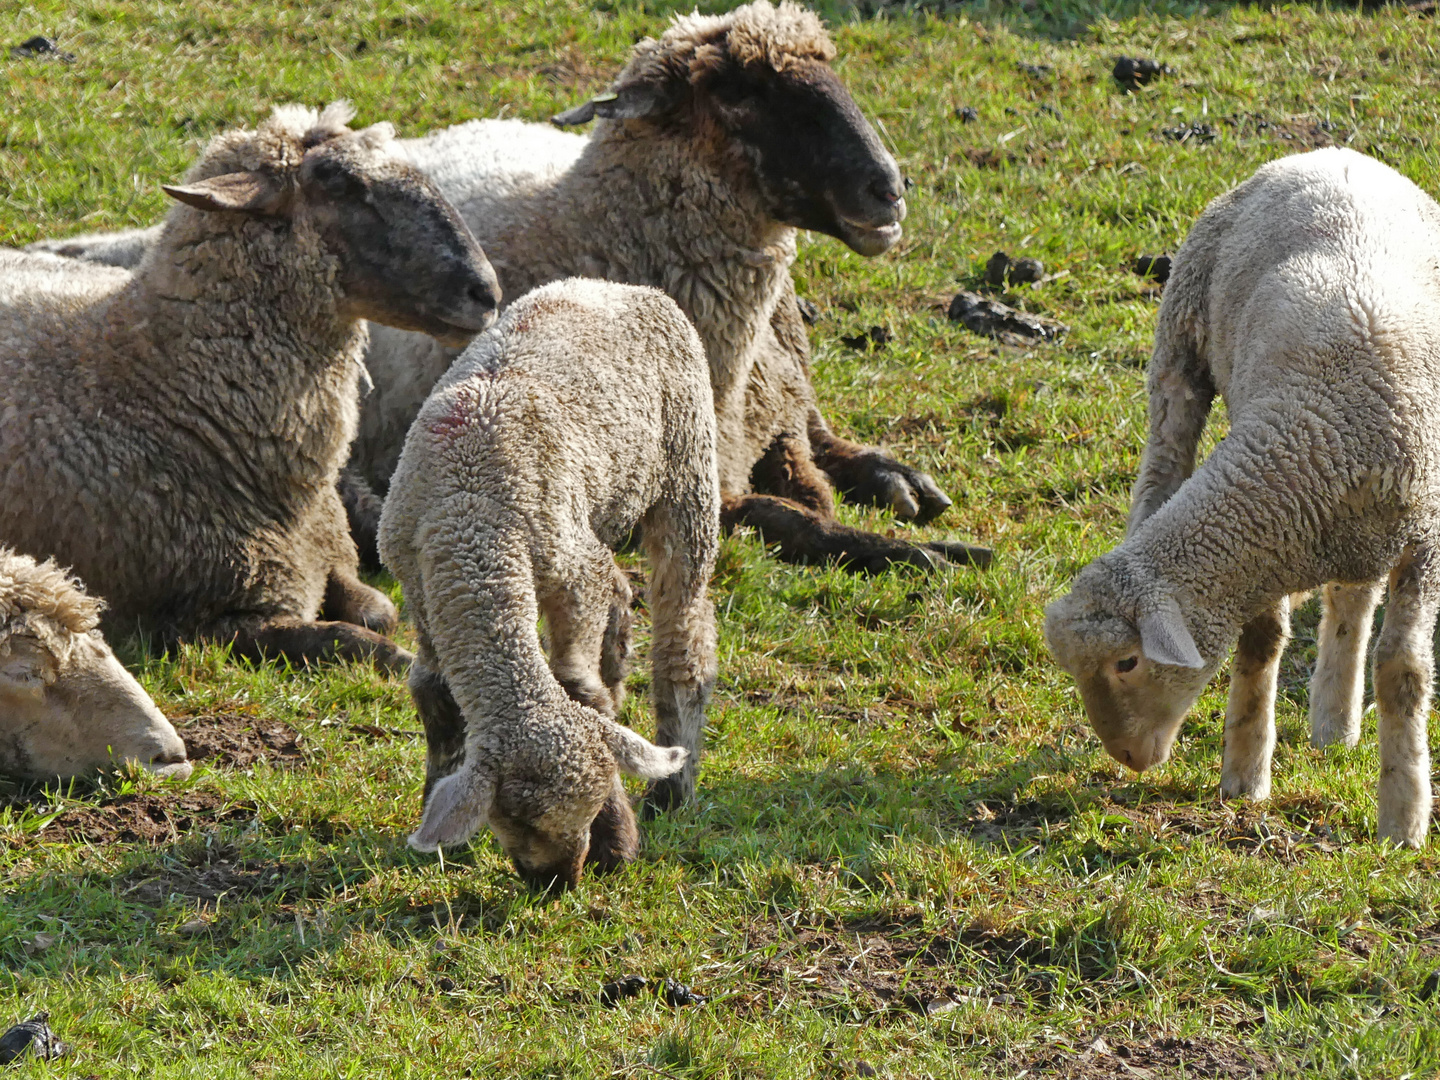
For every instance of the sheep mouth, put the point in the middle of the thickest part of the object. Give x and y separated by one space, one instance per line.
868 239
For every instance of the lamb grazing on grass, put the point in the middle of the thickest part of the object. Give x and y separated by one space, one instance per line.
586 412
67 706
1309 298
175 435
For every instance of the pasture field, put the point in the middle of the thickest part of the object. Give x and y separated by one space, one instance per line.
910 856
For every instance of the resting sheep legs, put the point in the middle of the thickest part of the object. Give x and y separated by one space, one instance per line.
1404 670
304 643
1250 713
1337 689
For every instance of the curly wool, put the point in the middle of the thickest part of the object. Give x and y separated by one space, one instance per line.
45 602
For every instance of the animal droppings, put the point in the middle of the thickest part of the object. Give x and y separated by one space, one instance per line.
1155 267
809 310
40 48
33 1036
677 995
627 986
992 319
967 114
1195 132
1043 73
1001 269
1133 72
877 337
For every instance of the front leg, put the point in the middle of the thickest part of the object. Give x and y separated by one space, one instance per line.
869 475
1337 689
348 599
1404 669
1250 714
443 721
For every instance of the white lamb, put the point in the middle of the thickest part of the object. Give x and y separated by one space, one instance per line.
583 414
1309 298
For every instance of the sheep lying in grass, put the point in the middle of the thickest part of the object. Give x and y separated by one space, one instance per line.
1309 298
175 435
585 413
67 706
716 143
124 248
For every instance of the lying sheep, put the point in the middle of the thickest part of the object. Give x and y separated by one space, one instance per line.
175 435
124 248
716 143
67 706
1308 298
584 413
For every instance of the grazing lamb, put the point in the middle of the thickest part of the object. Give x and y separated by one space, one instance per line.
1309 298
714 145
584 413
175 434
67 706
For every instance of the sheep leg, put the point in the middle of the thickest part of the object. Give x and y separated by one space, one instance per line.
1250 714
362 512
350 600
616 645
1404 669
1337 689
304 643
870 476
614 834
1180 390
681 542
443 721
788 470
583 615
803 537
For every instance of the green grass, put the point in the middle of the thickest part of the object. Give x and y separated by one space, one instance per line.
901 798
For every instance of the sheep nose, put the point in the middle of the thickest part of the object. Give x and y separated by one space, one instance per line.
886 191
1136 754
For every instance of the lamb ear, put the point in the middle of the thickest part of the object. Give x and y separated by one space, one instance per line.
1165 639
630 102
640 757
456 810
249 192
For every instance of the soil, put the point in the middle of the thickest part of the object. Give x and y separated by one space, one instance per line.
237 741
144 819
1158 1058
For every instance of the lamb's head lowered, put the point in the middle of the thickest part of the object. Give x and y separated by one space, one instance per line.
401 253
541 789
1125 641
67 706
756 88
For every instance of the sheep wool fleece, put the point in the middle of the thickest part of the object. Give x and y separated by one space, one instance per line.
583 413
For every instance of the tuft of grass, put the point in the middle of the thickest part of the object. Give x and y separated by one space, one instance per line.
908 851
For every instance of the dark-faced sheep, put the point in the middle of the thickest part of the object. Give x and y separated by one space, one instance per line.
1307 298
68 708
584 413
175 434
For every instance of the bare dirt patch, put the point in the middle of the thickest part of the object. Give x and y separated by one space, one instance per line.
232 740
144 819
1163 1057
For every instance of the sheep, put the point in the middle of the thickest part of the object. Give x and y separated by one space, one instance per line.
174 434
124 248
1307 299
714 145
67 706
585 412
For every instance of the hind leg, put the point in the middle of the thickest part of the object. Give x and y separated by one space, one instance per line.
1404 670
1337 689
581 615
681 540
616 645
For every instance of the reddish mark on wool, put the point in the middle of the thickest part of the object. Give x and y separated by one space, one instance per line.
462 414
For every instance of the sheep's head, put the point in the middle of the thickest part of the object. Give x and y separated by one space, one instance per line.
542 808
404 256
757 85
1137 667
67 706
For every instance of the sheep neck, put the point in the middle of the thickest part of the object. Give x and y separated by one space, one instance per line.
237 326
644 210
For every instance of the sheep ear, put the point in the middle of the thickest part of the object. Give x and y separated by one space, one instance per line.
631 102
1165 639
456 810
640 757
249 192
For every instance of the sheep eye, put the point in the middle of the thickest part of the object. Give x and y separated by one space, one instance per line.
1128 664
